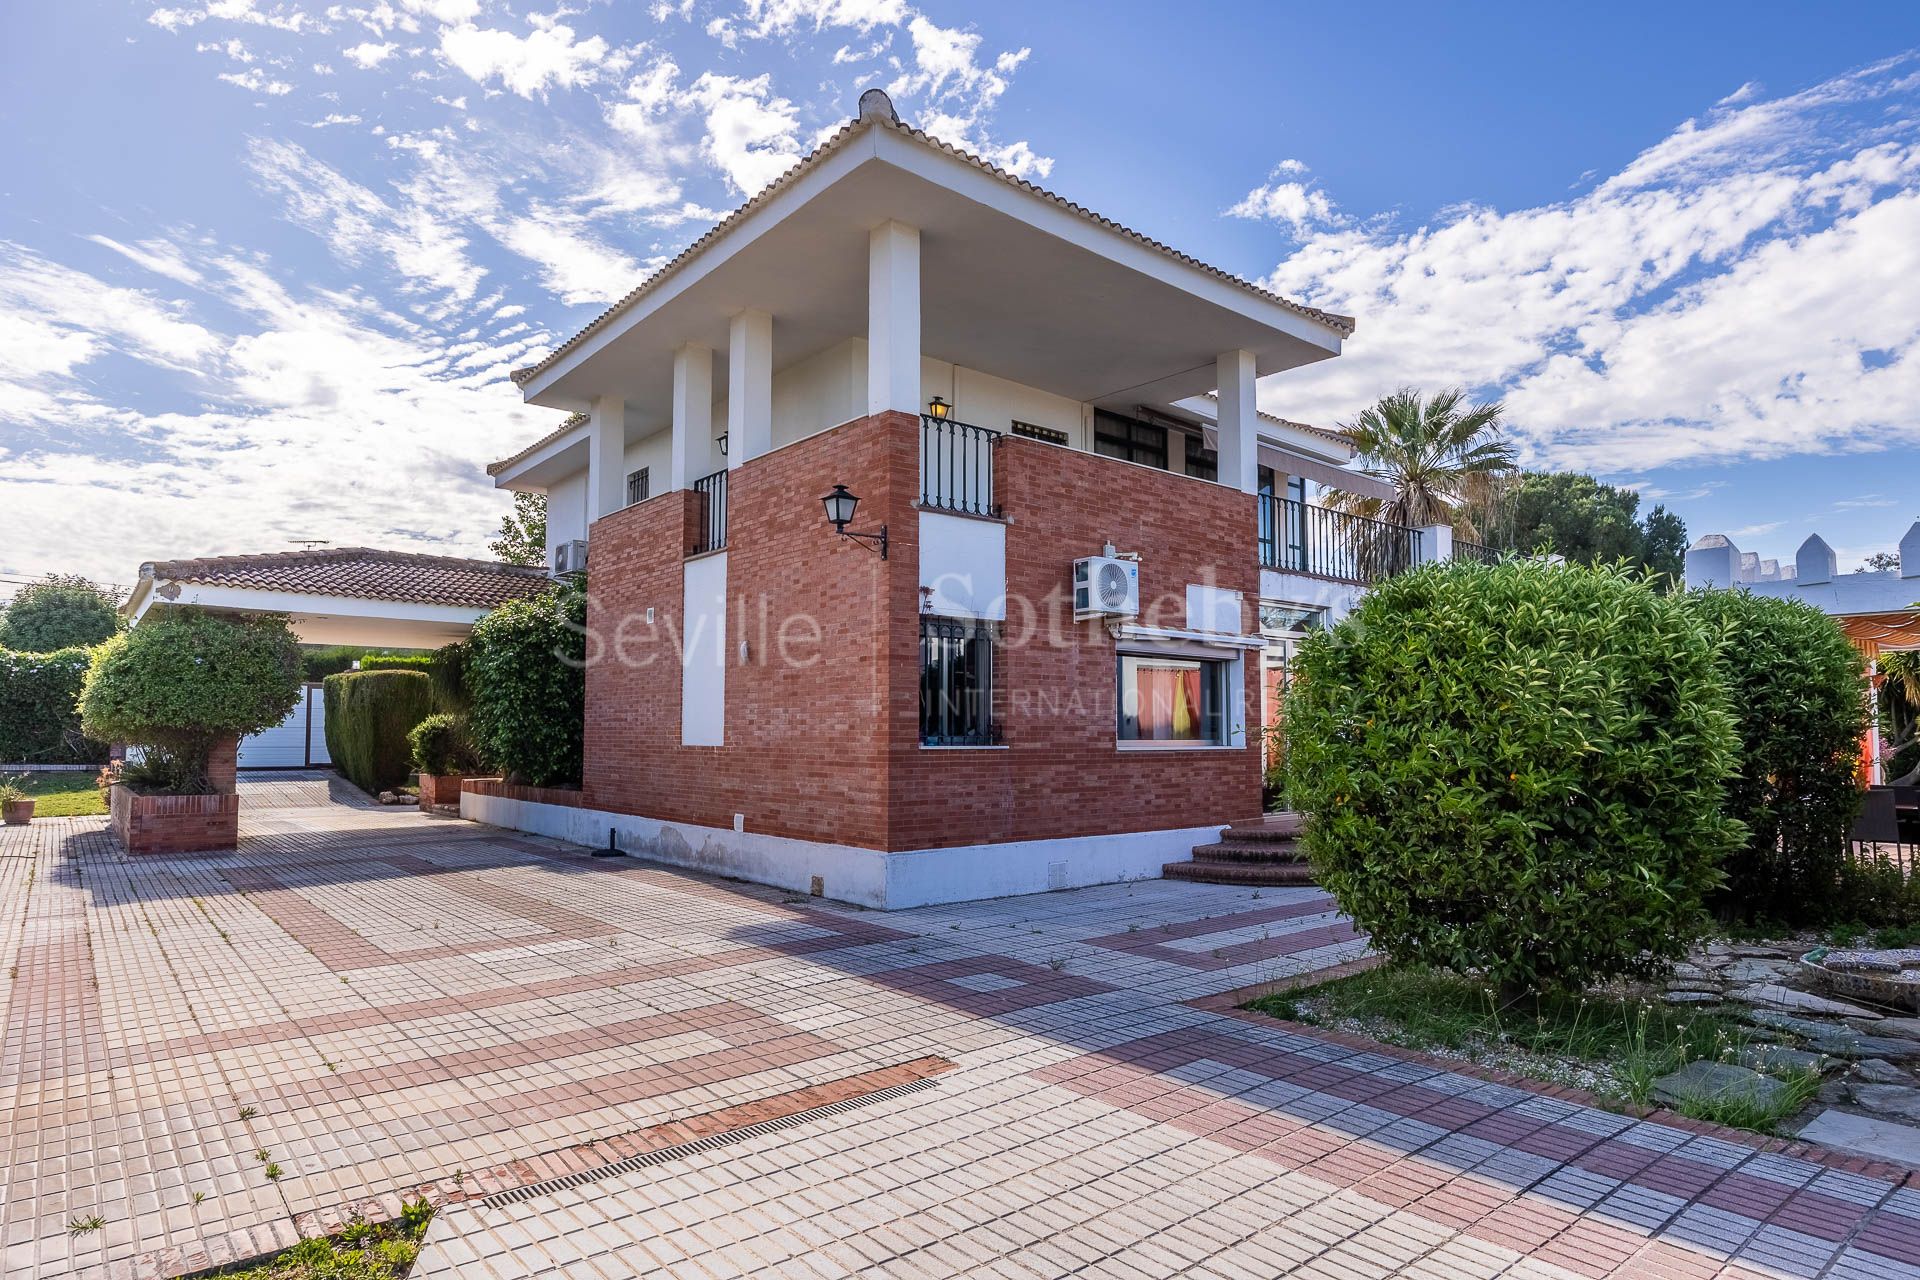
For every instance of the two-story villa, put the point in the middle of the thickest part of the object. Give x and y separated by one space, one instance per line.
902 694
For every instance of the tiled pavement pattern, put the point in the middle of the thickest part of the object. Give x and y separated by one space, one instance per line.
405 1001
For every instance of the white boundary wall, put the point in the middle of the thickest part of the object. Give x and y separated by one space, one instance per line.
867 877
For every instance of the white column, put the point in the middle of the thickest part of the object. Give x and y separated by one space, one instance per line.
1436 543
893 319
692 415
749 387
1239 422
606 457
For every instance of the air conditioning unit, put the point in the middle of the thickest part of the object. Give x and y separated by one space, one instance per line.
1105 587
569 557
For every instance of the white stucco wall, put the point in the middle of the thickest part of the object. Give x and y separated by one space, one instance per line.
566 511
703 671
965 563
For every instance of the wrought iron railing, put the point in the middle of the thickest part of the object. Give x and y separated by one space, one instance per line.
1464 550
956 466
712 497
1324 543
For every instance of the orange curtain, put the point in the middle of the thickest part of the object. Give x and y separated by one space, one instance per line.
1169 700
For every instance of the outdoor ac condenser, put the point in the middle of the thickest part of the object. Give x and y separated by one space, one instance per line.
569 557
1105 587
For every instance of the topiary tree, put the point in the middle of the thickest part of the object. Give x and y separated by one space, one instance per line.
1798 692
66 611
442 745
526 675
369 715
1515 770
183 680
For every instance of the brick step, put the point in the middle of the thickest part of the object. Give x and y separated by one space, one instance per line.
1274 828
1232 851
1254 873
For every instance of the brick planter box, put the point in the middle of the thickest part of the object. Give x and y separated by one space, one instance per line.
569 796
437 789
174 824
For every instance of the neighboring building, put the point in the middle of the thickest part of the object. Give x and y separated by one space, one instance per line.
334 595
1878 609
1008 384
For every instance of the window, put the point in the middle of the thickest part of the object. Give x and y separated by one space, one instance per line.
1129 441
637 486
956 682
1173 701
1202 463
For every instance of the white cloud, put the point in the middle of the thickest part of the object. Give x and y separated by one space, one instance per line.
959 94
252 79
332 118
752 134
1724 296
1299 205
369 55
547 57
448 11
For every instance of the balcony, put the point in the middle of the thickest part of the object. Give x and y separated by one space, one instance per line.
956 467
1322 543
710 496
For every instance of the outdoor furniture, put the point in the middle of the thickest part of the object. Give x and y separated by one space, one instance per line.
1879 820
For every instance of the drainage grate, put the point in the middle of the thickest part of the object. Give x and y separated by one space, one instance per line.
681 1150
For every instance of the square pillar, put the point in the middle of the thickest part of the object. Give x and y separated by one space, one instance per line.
1436 543
749 387
893 319
692 415
606 457
1239 422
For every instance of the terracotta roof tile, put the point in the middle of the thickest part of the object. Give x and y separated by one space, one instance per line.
1343 325
569 423
364 573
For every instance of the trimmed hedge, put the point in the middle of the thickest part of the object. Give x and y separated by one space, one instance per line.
39 709
397 662
186 678
1515 770
1798 692
441 744
527 672
449 675
369 715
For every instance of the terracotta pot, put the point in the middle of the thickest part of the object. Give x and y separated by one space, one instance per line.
16 813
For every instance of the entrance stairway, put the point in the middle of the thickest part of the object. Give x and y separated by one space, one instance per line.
1262 852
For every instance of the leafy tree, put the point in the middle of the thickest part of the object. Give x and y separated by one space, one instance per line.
1881 561
1441 457
1575 516
1515 770
1797 689
62 612
184 679
526 676
523 535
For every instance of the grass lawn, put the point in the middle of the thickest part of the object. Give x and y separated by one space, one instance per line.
1613 1045
67 794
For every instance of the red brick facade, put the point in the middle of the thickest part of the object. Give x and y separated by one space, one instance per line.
822 711
174 824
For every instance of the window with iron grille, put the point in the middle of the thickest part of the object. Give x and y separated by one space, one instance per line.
956 682
637 486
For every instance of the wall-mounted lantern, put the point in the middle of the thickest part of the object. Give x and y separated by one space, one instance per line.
841 504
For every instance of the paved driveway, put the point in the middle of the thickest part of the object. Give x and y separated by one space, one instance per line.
604 1068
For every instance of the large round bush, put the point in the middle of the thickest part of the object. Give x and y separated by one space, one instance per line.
1515 770
526 677
1798 692
182 680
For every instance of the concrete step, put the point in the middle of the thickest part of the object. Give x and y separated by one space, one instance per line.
1229 851
1250 873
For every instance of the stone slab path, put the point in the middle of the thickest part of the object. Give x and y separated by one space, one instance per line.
606 1068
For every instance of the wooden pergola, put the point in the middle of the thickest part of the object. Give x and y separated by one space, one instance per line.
1873 634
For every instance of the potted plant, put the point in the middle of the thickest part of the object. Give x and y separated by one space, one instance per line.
444 755
16 805
184 687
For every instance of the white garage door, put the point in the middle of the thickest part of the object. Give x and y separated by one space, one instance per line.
295 743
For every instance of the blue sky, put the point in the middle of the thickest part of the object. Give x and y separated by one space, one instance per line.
265 266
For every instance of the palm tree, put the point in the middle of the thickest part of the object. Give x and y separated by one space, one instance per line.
1443 457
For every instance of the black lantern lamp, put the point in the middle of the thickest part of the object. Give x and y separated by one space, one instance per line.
841 504
938 409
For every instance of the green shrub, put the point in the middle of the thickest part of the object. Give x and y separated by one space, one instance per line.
449 675
396 662
526 670
1515 770
369 714
1798 692
184 679
63 612
331 660
441 744
39 709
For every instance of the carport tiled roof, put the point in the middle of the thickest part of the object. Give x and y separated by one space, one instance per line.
362 573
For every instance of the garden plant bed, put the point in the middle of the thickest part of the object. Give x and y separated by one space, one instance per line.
359 1251
168 824
1620 1045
